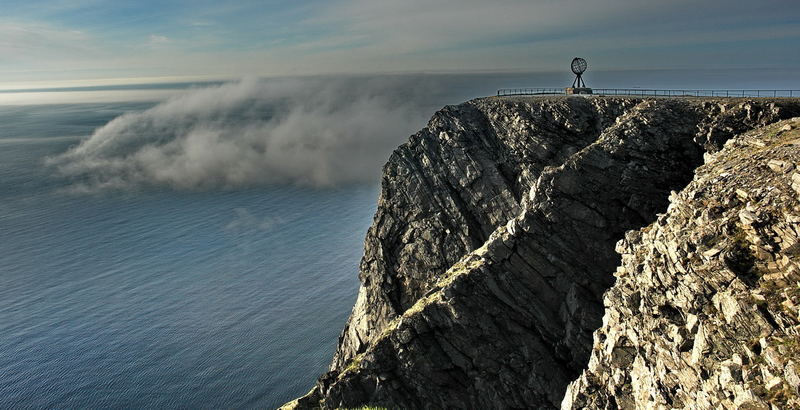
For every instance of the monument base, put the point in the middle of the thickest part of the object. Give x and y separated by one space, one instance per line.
577 90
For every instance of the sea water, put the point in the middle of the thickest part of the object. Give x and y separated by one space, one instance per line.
220 299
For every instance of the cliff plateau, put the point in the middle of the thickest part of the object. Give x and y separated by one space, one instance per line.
494 242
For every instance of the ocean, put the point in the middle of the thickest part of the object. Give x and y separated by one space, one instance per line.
200 252
164 299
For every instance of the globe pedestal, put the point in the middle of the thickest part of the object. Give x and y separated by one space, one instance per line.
577 90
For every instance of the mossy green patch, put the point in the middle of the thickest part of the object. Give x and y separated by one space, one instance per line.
352 365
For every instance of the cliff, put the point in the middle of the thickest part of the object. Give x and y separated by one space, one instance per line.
705 310
494 242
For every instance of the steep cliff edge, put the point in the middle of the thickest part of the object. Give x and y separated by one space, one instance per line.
705 310
450 186
535 192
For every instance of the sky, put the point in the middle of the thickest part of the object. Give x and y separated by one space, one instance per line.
50 43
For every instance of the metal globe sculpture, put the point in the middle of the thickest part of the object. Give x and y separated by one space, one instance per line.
578 67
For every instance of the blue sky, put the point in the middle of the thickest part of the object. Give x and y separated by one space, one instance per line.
98 41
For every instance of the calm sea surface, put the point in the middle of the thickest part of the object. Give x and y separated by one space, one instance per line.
164 299
167 299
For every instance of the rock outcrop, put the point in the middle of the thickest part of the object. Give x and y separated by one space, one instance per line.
705 312
493 244
447 189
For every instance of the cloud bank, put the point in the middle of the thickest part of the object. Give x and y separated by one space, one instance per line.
315 132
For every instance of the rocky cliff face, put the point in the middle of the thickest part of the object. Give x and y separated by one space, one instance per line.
493 243
450 186
705 310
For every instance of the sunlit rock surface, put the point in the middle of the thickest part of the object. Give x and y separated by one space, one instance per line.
704 312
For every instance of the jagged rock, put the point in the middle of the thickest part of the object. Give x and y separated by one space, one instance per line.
745 298
450 186
535 192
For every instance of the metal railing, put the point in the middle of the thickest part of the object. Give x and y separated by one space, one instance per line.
530 91
656 93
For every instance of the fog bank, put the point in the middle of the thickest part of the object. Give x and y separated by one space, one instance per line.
314 131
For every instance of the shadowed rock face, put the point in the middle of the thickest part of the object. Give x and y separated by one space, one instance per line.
450 186
535 192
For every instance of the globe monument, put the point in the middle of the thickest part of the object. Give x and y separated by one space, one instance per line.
578 67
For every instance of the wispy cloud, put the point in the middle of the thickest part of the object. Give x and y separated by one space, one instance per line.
27 40
103 39
155 40
422 26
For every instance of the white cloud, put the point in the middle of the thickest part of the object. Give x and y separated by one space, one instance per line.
368 36
155 40
318 132
419 25
539 34
27 41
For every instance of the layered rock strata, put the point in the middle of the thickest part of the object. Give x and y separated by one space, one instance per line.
450 186
705 312
535 192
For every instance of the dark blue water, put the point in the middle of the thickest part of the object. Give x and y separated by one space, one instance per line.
220 299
